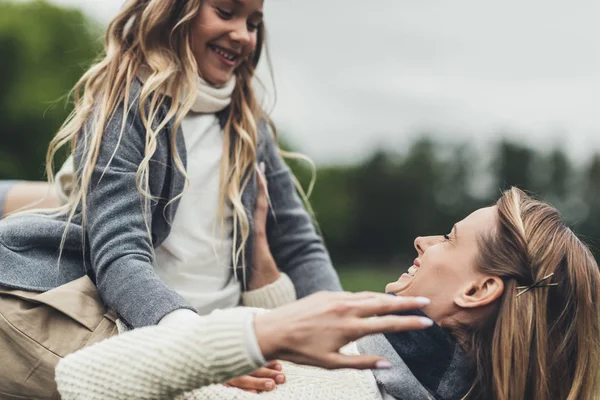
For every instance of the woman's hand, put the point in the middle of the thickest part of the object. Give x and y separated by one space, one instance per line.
312 330
264 268
263 379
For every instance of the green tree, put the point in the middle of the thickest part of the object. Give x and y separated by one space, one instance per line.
44 50
513 165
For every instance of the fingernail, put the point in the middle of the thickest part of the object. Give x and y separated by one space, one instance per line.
269 385
383 364
262 166
278 367
426 321
423 301
280 378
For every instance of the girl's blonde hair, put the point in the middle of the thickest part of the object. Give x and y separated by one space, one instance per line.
545 343
152 36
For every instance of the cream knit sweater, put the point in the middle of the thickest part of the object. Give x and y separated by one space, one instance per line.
181 361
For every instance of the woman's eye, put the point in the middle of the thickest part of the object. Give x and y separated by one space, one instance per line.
252 27
224 14
447 237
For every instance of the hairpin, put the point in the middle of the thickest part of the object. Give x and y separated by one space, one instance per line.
538 284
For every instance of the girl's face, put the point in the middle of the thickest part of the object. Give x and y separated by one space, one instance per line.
445 268
224 34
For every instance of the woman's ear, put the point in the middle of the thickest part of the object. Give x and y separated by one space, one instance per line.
481 292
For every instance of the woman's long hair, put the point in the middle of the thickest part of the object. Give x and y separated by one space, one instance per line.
152 36
544 343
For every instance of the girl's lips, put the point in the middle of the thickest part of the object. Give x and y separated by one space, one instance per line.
225 61
230 63
417 262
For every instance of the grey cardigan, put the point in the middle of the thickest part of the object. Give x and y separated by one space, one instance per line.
116 251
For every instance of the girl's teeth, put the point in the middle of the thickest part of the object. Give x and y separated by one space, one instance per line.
224 54
412 270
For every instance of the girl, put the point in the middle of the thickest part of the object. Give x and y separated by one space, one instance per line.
166 136
514 297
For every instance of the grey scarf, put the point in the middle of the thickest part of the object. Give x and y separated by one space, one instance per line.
426 364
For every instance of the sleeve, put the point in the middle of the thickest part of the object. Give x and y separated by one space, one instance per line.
296 247
5 187
160 362
273 295
118 228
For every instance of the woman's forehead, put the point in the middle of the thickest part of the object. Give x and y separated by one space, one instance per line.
477 222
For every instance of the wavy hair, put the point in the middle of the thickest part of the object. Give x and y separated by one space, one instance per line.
152 36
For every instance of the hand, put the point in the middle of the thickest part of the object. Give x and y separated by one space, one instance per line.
263 379
264 268
312 330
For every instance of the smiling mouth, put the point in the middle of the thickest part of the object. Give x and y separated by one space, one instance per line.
412 271
228 56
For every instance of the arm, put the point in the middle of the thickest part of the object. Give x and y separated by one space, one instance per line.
269 288
296 247
18 195
5 188
120 246
22 195
160 362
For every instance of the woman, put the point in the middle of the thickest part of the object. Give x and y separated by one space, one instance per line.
514 296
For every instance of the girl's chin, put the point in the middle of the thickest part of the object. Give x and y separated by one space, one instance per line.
400 285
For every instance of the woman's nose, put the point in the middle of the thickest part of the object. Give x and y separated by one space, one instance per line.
419 245
423 242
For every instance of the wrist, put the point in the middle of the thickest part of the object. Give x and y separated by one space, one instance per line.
264 275
268 335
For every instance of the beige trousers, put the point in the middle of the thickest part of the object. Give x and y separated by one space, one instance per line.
38 329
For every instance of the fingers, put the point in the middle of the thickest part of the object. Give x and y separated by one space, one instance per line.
364 361
390 323
270 373
387 304
251 383
274 365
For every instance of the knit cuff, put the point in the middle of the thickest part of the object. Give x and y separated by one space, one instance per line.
252 342
273 295
225 335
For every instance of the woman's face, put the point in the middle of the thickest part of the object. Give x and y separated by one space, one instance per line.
445 266
224 34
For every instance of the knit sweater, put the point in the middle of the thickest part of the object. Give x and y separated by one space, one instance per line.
186 361
172 362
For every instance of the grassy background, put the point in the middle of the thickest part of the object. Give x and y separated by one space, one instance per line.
356 279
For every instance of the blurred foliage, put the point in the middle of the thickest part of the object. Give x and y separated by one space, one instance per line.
369 213
44 50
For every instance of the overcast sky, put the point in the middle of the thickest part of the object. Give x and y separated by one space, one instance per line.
353 75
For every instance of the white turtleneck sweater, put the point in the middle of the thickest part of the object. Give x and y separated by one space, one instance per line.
196 258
